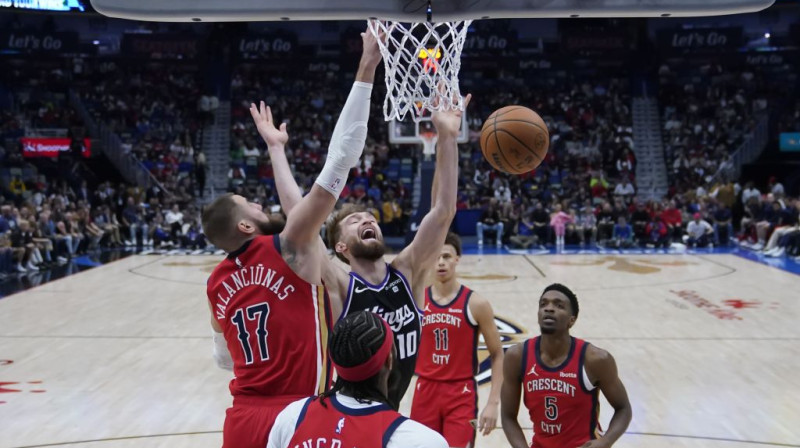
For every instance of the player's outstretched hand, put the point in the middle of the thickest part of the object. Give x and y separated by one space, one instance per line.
448 122
371 54
488 420
266 126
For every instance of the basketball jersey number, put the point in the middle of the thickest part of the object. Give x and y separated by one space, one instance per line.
407 344
440 334
259 313
550 408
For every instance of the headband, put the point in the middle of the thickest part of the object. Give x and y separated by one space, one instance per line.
371 366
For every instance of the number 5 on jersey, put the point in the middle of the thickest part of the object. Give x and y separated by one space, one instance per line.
550 408
259 313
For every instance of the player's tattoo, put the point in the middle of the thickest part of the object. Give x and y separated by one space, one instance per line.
289 253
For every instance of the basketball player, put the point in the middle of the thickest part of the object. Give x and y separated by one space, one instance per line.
446 395
559 377
269 311
394 291
356 411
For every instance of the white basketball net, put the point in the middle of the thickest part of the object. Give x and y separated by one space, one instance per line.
422 62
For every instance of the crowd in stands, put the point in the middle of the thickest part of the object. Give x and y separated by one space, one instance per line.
310 106
49 224
585 192
769 222
54 210
156 111
707 113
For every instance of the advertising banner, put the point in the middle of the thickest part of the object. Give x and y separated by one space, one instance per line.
266 46
585 41
161 46
38 42
50 147
703 39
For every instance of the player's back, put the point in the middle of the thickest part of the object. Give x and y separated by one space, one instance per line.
275 323
562 403
449 342
337 425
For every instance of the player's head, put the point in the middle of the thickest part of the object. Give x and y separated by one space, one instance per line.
449 257
354 233
558 309
362 350
230 220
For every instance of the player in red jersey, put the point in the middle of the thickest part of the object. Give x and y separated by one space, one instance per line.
269 311
356 411
559 377
446 395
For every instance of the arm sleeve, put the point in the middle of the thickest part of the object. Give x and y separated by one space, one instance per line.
221 354
283 429
411 434
347 141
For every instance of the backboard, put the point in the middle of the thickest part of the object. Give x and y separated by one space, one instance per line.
410 132
413 10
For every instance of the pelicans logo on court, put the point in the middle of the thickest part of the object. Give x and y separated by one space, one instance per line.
510 334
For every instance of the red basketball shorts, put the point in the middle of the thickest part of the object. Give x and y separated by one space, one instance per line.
447 408
249 421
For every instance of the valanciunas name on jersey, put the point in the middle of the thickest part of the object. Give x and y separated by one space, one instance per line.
252 276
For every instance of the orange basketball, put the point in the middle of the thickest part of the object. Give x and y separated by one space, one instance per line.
514 139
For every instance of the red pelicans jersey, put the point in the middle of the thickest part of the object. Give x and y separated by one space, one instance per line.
275 323
449 342
562 402
334 425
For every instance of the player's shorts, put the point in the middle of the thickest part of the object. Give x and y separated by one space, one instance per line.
447 408
249 421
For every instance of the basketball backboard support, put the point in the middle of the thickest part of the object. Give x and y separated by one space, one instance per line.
413 10
422 132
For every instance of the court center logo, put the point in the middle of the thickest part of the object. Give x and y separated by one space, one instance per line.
640 266
511 333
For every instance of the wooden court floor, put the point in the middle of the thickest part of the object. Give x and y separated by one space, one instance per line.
120 355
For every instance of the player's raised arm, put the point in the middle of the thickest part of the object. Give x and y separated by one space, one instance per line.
602 370
347 143
276 137
425 247
289 194
484 316
510 397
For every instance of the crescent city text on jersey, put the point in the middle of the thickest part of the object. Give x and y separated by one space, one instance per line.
550 384
252 276
441 318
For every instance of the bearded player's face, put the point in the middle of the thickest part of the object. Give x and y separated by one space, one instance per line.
266 223
362 236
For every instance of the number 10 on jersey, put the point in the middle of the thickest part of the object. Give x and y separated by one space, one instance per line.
406 344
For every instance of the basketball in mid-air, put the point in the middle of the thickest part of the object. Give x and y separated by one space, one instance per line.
514 139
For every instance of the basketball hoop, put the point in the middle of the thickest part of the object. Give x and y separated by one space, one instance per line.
429 139
416 84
